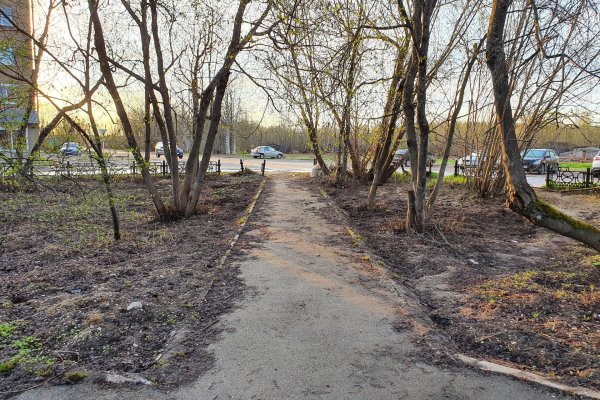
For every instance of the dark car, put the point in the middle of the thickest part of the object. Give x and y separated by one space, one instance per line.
539 160
402 157
160 150
70 149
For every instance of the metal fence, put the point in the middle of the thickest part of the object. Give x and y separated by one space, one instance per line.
565 178
67 168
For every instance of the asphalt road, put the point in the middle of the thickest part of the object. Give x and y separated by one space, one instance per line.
232 164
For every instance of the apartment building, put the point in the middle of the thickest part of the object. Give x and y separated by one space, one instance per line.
16 65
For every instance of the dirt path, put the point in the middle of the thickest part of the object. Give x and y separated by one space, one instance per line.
316 323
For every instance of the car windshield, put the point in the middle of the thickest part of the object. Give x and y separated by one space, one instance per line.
535 154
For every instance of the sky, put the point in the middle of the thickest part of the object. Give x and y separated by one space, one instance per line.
253 100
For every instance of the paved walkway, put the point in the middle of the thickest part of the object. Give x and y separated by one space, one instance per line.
317 324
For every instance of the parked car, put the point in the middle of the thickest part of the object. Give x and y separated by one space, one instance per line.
596 165
70 149
160 150
402 157
265 152
539 160
280 147
468 161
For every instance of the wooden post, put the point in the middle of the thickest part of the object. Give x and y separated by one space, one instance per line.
411 214
241 165
219 166
133 168
69 168
547 176
588 176
262 167
164 168
456 168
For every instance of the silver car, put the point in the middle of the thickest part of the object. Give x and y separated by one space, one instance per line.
265 152
596 165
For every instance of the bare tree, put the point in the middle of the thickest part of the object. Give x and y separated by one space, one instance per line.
521 197
208 98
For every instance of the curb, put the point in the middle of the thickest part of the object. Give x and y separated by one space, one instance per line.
242 222
528 376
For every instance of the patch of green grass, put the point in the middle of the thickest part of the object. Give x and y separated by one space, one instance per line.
455 180
74 376
26 345
401 177
9 365
6 330
576 165
559 186
39 365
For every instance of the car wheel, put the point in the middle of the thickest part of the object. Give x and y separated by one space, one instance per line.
261 156
157 155
181 156
407 163
542 169
279 155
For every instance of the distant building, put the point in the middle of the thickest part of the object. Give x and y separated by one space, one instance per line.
16 67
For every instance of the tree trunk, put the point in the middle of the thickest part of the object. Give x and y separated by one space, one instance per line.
147 126
121 112
521 197
208 146
314 141
410 209
171 145
388 127
227 140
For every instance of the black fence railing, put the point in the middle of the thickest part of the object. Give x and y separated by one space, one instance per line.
565 178
68 168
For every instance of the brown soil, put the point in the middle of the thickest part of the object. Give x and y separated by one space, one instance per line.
65 284
500 287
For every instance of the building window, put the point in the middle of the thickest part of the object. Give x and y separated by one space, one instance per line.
5 19
6 95
7 56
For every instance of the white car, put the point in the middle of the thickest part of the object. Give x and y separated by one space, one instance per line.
596 165
265 152
468 161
